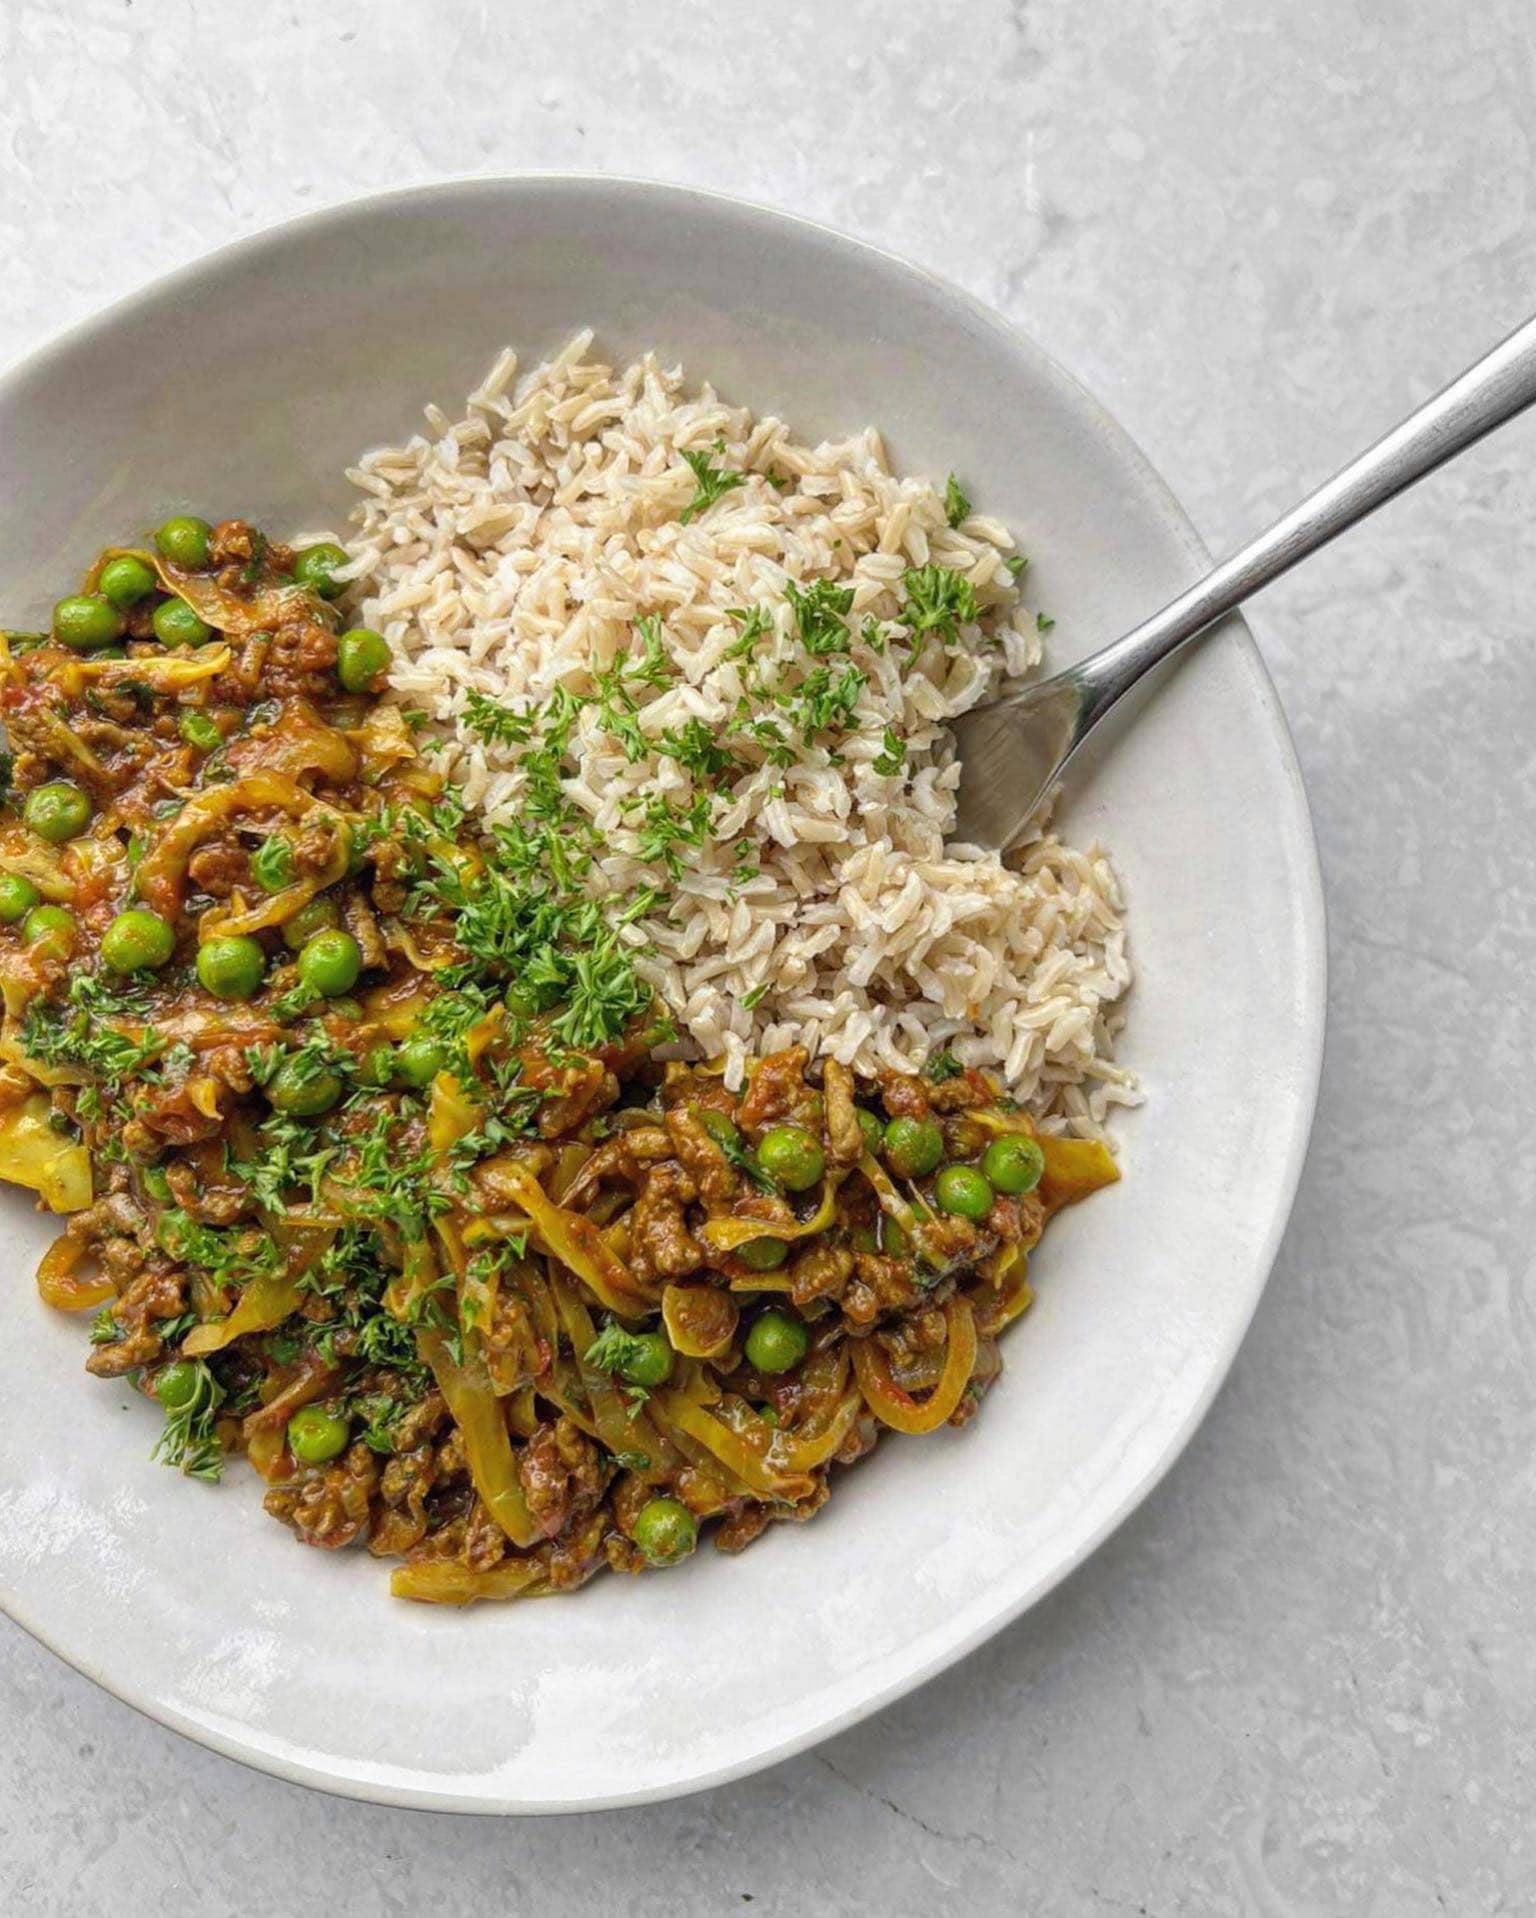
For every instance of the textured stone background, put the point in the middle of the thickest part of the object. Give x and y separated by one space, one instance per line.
1300 1682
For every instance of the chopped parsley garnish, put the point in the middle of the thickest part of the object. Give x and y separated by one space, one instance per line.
106 1329
736 1150
1043 622
770 735
189 1439
652 667
956 506
352 1277
289 1159
495 723
942 1066
820 610
892 756
229 1256
375 1416
512 922
79 1032
614 696
302 1064
664 827
823 703
614 1348
939 600
754 623
695 747
712 482
604 995
291 1005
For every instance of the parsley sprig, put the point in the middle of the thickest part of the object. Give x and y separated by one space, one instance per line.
956 506
821 616
892 756
614 1348
939 600
188 1439
79 1031
711 482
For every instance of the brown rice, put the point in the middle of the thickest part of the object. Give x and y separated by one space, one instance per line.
513 550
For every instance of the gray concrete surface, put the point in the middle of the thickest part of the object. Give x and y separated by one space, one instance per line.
1301 1682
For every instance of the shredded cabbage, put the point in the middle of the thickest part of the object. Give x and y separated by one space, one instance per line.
32 1154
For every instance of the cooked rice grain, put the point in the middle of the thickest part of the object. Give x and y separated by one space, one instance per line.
513 551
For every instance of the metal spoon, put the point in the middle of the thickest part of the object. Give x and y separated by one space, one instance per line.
1013 751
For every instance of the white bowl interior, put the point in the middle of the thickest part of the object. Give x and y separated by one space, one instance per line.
246 385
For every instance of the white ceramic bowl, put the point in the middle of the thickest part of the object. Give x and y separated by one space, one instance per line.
245 385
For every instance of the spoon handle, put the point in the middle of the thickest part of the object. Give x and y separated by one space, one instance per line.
1499 386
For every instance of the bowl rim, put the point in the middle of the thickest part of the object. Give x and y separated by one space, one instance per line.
1312 982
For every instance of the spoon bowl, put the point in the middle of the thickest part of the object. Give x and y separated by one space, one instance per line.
1014 750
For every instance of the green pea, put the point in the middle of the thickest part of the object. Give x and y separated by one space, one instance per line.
176 624
85 621
51 929
137 941
791 1157
318 916
1013 1163
58 811
521 1000
156 1182
232 967
762 1255
378 1066
17 897
272 864
198 730
964 1192
301 1091
873 1130
665 1530
913 1147
184 541
650 1360
777 1342
177 1384
125 580
315 1435
330 963
315 567
361 656
419 1060
720 1127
